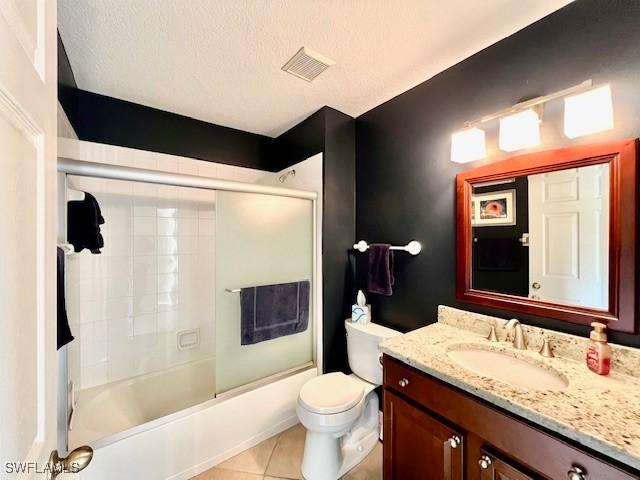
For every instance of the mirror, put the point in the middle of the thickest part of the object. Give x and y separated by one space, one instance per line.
544 236
552 234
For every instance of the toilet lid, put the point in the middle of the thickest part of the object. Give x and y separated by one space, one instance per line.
331 393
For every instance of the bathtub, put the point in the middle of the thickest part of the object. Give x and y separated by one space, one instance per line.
186 443
113 408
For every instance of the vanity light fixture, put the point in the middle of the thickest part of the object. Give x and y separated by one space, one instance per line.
588 112
519 130
468 145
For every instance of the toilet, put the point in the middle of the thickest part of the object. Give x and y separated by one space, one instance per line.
341 412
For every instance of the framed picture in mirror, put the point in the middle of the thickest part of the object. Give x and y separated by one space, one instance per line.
494 208
552 234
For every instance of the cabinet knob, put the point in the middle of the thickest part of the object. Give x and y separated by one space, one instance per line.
403 382
536 285
484 462
454 441
576 473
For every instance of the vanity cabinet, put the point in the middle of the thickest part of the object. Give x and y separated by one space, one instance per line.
433 430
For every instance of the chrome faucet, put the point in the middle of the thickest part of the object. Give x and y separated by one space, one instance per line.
519 342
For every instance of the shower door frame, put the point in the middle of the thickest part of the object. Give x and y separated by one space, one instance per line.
82 168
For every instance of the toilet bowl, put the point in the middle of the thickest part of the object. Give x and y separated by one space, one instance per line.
341 412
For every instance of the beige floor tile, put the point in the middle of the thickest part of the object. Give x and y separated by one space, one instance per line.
370 468
254 460
286 460
220 474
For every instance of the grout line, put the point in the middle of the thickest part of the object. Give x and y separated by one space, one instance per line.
275 445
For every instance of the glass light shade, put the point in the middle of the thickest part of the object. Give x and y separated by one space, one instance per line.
588 112
468 145
520 130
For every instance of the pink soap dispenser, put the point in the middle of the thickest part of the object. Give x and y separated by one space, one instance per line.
599 351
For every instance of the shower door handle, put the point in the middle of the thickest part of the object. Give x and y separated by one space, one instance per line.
76 461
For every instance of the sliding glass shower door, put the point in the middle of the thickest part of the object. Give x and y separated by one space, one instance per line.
260 240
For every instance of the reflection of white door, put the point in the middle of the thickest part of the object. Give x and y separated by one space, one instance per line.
569 236
28 85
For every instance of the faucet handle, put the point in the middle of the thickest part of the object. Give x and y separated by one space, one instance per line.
492 334
546 350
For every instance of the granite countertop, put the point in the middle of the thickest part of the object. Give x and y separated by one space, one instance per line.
599 412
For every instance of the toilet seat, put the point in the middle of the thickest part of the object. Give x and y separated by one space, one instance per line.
331 393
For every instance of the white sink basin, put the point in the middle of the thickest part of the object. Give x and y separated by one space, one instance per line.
507 368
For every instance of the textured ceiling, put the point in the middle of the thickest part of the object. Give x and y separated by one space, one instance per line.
220 60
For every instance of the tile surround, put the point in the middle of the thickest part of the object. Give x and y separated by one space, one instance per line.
155 276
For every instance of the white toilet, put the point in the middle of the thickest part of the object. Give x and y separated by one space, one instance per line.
340 412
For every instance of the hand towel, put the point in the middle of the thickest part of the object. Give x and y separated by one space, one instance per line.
380 277
83 224
273 311
64 331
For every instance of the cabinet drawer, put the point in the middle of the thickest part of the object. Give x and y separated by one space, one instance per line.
404 379
544 453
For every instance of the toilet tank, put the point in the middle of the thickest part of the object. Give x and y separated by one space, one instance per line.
362 349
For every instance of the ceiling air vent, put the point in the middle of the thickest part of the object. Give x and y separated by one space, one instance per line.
307 64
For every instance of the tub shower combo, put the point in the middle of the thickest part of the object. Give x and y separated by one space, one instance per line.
157 314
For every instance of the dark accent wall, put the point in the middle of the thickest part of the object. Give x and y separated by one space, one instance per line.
332 133
103 119
405 180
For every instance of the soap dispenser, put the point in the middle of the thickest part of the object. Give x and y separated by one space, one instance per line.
599 351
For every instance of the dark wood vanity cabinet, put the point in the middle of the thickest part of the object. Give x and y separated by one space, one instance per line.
433 431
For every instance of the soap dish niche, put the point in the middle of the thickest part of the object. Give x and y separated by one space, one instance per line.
188 339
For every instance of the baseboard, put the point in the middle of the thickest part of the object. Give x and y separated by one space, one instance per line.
221 457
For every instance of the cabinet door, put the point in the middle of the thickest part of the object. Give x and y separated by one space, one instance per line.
417 446
493 468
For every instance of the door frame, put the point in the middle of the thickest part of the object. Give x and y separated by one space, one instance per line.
621 156
28 100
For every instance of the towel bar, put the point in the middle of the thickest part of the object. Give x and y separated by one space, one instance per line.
237 290
413 247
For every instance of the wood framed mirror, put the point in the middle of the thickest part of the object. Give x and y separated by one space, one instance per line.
552 234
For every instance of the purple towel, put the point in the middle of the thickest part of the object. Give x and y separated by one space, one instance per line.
273 311
380 277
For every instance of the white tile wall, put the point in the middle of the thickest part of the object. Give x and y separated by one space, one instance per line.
156 274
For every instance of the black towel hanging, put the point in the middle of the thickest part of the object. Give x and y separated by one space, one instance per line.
64 335
84 218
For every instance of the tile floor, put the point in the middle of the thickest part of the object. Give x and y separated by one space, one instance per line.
280 458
